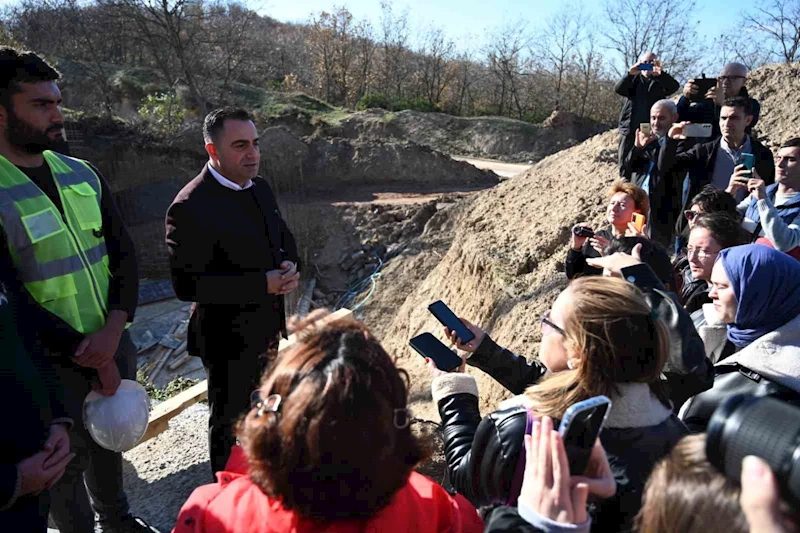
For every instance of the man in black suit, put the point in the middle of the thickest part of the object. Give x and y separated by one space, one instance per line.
642 165
231 253
713 163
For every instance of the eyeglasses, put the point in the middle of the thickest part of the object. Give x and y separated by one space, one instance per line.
548 324
701 254
689 214
270 404
731 78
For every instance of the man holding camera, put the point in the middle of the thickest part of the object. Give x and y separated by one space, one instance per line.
643 85
642 165
705 108
715 162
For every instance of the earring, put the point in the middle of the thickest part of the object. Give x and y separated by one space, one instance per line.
570 364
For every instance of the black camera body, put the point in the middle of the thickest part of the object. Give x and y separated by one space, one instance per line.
762 426
583 231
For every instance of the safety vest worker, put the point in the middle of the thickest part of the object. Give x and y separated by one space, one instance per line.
62 261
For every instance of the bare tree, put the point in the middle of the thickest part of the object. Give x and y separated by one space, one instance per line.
395 50
739 45
436 54
778 21
666 28
589 64
506 63
560 39
172 28
365 43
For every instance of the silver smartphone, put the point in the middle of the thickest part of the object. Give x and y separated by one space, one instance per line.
697 130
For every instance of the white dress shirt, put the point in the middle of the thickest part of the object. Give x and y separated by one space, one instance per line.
225 182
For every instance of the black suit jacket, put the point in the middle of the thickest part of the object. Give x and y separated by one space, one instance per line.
665 191
699 162
219 260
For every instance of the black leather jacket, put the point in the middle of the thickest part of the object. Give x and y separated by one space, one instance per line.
687 371
482 457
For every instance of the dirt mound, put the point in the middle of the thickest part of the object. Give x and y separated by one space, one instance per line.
777 88
319 164
503 266
490 137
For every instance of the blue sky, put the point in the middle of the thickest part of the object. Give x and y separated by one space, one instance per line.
466 20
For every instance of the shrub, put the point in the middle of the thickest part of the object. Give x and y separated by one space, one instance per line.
371 100
162 111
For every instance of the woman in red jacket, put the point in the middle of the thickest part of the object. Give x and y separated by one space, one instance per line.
327 446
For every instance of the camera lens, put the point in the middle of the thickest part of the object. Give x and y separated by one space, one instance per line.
762 426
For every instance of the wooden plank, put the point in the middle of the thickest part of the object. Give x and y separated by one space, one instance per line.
165 411
179 361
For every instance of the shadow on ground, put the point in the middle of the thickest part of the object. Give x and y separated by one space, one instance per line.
159 501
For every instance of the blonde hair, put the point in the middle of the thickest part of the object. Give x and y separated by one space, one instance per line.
639 195
610 327
686 494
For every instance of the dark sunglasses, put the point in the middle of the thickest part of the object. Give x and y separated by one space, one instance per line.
546 322
689 214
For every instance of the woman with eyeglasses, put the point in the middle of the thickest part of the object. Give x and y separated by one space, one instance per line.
687 371
754 338
624 199
328 447
601 337
711 233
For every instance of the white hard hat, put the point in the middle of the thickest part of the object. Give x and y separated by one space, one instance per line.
117 422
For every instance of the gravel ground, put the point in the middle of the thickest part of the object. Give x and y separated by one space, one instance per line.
161 473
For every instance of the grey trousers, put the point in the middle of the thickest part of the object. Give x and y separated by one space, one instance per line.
92 481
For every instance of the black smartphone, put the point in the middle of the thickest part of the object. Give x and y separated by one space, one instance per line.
429 346
703 84
449 320
579 429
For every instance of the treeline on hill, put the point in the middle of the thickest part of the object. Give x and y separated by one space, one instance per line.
169 56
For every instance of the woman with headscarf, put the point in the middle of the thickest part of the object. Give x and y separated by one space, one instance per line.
755 292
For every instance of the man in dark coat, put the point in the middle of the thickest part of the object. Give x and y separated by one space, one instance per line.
233 255
714 163
730 83
641 89
664 191
37 450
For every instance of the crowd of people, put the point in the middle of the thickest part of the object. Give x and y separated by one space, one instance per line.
689 297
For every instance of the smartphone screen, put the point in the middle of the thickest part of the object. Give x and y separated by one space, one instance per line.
645 127
579 430
429 346
449 320
638 221
748 160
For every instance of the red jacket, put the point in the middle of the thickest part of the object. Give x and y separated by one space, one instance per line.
236 505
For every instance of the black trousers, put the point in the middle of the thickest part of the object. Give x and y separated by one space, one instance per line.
626 143
28 514
92 482
231 380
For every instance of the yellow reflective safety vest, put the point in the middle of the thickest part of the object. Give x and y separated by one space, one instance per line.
62 260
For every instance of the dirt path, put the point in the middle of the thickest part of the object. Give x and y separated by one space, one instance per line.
505 170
